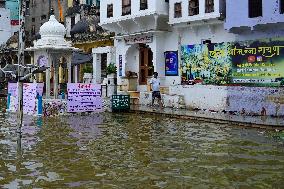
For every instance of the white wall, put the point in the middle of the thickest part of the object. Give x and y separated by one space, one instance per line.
132 59
251 100
5 25
68 23
201 16
237 14
154 6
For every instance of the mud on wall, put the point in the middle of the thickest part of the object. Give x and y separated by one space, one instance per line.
239 99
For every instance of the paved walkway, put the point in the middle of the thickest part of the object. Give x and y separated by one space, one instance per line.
215 117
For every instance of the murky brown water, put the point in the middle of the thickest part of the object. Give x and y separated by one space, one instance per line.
137 151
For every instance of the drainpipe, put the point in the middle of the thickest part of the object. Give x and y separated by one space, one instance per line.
179 30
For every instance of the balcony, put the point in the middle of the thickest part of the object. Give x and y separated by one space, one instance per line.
254 15
128 16
195 11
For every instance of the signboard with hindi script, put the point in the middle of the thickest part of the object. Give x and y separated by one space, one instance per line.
29 97
84 97
255 63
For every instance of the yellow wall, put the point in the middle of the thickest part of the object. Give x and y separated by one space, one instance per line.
87 47
70 3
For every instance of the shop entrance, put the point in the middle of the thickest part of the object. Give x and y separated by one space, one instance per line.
146 67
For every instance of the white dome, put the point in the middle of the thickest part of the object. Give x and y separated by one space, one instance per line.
52 28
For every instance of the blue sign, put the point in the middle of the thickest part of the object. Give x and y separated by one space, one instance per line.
120 65
171 61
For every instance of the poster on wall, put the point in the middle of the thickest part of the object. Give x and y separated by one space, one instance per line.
29 97
42 61
256 63
171 61
84 98
199 67
120 65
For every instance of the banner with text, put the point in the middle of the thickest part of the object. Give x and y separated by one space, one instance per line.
84 97
30 92
247 63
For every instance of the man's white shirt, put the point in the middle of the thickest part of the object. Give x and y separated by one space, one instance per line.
155 84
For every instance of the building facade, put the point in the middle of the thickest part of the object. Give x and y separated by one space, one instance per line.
209 54
140 28
38 13
82 19
5 25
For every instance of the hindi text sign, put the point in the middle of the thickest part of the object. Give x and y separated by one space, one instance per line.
84 97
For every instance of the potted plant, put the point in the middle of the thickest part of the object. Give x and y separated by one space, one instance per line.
111 70
88 72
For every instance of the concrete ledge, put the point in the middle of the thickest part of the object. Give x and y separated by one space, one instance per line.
264 122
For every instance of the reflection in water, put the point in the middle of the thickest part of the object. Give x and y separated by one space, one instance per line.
136 151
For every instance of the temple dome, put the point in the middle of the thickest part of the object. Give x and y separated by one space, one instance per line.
52 28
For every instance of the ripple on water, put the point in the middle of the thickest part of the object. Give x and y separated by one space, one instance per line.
137 151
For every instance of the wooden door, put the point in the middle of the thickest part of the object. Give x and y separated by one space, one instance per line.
146 65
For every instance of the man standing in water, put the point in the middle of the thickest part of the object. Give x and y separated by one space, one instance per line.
155 87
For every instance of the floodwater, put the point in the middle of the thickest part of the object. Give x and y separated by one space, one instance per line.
137 151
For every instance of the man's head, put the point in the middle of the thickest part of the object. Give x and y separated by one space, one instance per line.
155 74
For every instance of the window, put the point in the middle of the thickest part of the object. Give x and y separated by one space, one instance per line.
72 21
209 6
281 6
193 7
177 12
43 17
33 30
110 10
89 2
126 7
2 4
143 4
33 19
255 8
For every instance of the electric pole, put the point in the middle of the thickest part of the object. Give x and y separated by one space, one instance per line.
21 58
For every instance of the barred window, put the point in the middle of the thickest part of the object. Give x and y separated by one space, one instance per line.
143 4
178 10
126 7
193 7
255 8
209 6
110 10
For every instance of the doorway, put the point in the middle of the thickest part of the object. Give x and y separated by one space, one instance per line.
103 66
146 67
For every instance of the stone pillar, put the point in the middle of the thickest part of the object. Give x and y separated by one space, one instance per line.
97 68
109 58
55 78
69 68
76 73
47 78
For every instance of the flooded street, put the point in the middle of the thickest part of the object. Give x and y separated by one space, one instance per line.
136 151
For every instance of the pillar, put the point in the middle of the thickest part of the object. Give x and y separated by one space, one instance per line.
47 76
55 78
61 70
97 68
69 67
76 73
109 58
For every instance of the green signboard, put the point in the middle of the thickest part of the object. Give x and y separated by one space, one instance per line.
257 63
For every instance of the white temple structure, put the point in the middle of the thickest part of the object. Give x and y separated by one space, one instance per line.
53 51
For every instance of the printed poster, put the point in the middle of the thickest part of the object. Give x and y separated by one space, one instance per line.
171 61
84 97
